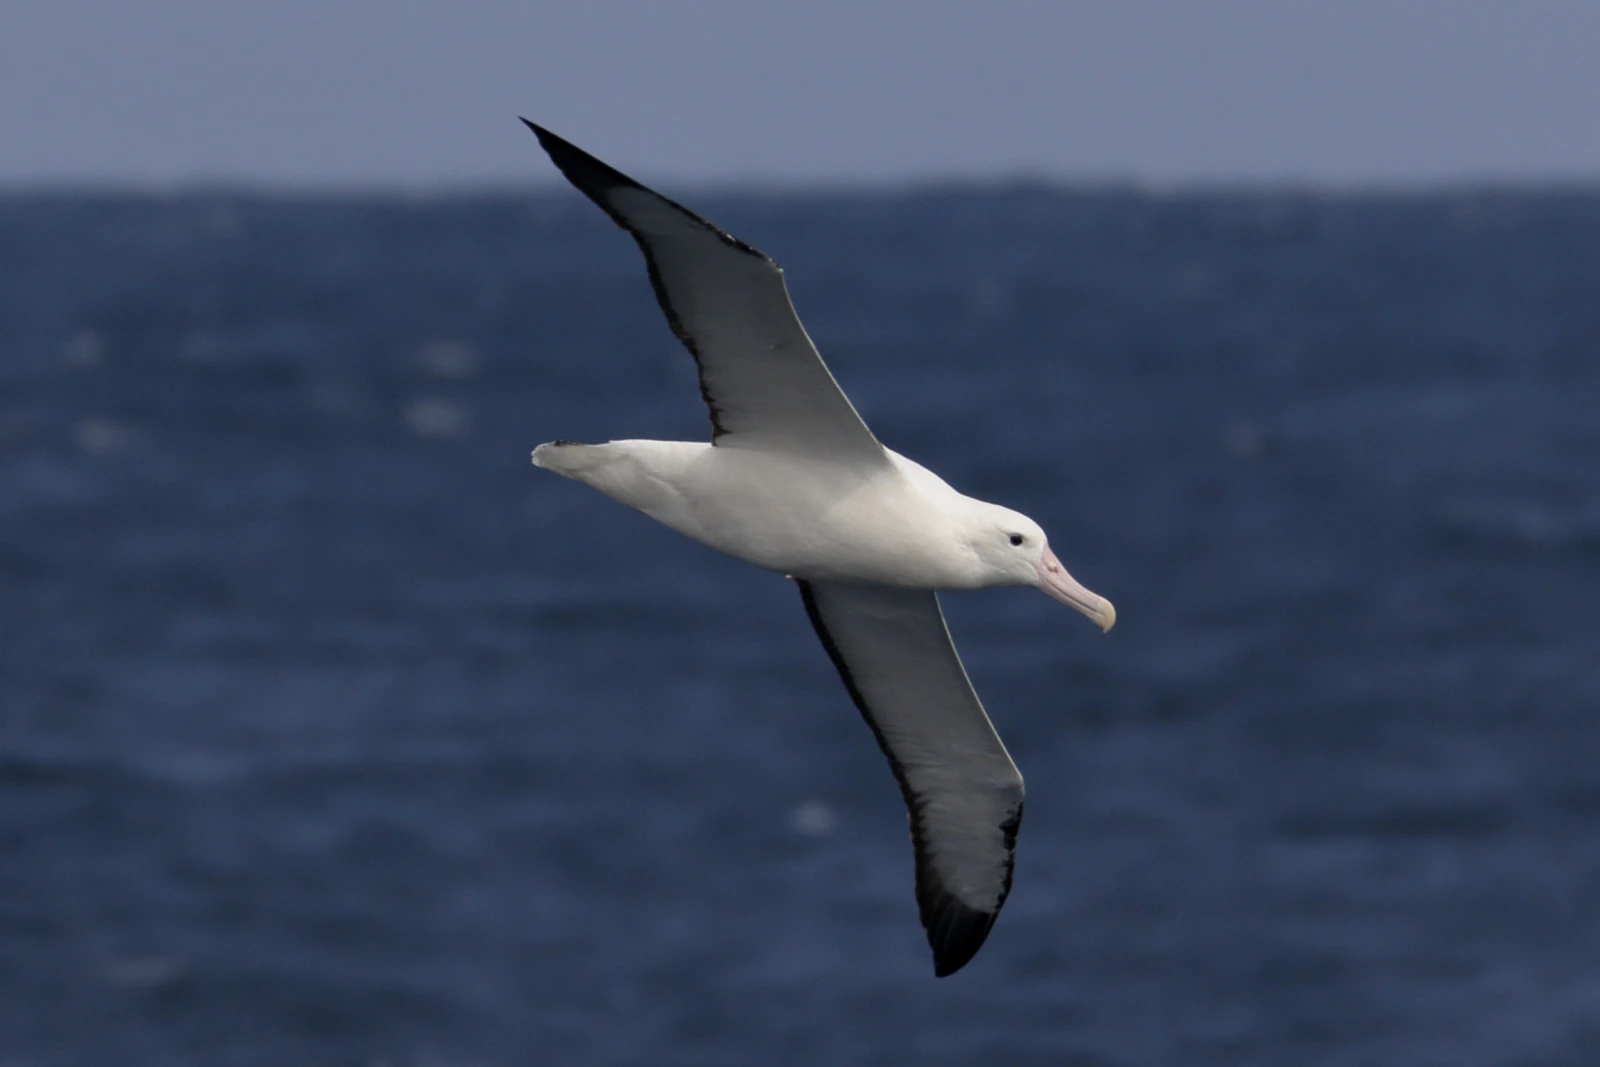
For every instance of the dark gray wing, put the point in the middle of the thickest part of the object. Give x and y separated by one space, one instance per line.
964 794
760 375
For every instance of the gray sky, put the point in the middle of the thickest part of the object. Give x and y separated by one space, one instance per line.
399 92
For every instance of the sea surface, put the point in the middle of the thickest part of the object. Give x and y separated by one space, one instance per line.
334 733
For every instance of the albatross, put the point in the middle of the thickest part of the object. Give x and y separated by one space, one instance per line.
793 481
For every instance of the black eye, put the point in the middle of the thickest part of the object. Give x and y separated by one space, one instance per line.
1017 539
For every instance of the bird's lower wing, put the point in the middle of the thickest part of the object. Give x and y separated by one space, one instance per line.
894 654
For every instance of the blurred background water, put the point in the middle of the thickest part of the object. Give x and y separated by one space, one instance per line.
331 732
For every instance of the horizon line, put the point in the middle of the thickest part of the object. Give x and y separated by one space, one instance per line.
763 188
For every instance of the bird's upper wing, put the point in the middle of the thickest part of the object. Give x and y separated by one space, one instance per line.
760 375
964 794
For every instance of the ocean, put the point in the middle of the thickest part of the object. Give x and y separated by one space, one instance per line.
334 733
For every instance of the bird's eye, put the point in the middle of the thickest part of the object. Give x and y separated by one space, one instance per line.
1017 539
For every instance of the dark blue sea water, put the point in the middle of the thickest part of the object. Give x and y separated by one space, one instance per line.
333 733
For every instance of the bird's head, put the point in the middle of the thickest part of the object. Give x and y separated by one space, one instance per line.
1011 549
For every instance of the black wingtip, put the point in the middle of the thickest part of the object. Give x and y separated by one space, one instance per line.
539 132
552 144
591 176
544 135
955 932
595 179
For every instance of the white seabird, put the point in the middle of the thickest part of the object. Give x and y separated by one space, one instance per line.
793 481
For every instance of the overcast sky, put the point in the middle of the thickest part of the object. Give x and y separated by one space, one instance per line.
394 92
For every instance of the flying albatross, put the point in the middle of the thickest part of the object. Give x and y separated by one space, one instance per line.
792 480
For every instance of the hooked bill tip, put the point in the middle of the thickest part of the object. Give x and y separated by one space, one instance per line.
1055 581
